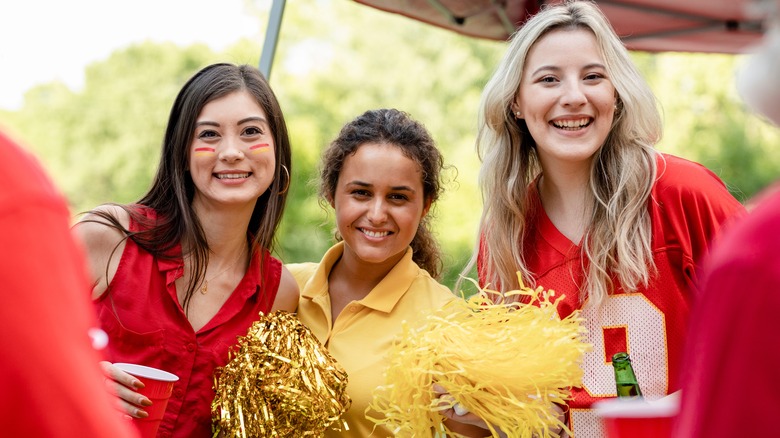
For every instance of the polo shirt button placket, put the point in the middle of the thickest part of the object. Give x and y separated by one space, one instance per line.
190 347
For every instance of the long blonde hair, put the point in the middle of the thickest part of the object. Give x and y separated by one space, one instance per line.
617 241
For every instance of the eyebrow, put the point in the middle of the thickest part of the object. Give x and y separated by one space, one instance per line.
554 68
240 122
253 119
393 188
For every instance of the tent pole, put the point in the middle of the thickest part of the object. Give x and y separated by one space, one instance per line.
271 37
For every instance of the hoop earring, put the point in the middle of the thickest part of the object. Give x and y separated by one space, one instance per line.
287 186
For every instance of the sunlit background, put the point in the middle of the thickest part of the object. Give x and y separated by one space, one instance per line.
87 86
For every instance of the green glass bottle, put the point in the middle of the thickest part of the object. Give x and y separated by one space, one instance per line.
625 379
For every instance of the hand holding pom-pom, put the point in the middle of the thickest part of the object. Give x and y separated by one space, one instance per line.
280 382
505 363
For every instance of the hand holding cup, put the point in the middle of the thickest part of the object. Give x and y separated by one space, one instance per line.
143 393
126 387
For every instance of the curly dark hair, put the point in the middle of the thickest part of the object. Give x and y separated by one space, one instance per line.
397 128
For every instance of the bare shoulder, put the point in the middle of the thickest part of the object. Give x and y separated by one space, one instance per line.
94 227
103 243
288 294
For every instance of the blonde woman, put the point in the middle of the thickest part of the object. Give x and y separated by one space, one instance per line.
577 200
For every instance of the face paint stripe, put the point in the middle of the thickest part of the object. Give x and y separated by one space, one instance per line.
259 148
200 152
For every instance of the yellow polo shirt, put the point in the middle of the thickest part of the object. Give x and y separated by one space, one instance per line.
363 333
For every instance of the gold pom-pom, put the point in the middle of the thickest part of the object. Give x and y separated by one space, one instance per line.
507 363
279 382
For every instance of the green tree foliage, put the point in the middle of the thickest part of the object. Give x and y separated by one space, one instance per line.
335 60
102 144
338 59
706 121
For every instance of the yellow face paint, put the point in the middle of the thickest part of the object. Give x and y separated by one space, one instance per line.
260 148
204 151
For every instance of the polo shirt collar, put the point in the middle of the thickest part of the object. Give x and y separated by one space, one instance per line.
383 297
396 283
317 285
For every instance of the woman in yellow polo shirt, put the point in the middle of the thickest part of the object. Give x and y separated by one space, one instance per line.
381 175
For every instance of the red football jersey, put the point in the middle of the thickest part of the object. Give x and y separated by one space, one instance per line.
689 205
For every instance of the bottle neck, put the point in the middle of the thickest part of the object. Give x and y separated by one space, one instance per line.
625 379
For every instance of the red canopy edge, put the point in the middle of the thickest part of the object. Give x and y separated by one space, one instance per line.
710 26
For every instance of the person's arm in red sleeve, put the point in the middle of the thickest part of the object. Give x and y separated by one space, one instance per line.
49 373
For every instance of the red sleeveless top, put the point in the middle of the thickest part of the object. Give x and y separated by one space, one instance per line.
146 325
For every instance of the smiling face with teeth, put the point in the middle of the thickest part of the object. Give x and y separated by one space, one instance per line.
379 202
232 157
566 97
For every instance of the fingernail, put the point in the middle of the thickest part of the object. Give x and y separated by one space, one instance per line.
140 413
127 417
143 401
137 384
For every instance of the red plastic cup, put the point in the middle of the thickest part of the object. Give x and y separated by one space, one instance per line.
158 388
637 418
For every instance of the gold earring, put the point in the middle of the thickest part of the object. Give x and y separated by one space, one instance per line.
287 186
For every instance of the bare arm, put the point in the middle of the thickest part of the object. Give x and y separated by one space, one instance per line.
473 426
468 430
288 294
103 245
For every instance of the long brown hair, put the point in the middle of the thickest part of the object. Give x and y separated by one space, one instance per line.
172 189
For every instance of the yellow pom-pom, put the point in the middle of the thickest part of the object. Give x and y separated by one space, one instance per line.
507 363
280 382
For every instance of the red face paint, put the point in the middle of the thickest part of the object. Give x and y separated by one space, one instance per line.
204 151
259 148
